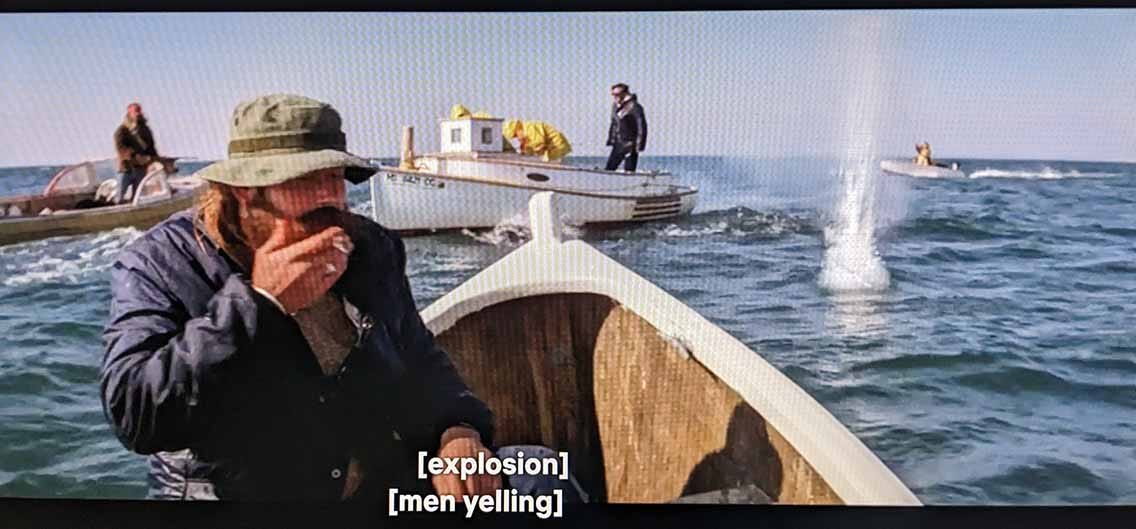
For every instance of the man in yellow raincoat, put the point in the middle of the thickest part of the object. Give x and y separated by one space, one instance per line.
461 112
537 139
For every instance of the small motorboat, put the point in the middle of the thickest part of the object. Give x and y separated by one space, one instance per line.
77 201
906 168
473 183
652 402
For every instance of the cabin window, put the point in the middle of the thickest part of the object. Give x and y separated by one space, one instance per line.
73 179
486 136
455 135
537 177
152 188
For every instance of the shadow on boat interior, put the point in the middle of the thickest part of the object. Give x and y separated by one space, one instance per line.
641 420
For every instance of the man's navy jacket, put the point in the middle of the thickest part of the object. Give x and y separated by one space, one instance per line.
221 386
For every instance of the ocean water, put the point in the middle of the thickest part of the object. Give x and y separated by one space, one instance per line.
977 334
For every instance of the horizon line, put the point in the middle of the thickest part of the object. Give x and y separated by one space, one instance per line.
197 159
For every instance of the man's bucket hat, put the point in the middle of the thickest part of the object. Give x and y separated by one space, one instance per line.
280 137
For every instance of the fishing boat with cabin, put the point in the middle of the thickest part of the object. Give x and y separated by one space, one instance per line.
473 183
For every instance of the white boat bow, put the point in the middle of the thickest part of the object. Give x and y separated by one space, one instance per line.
549 265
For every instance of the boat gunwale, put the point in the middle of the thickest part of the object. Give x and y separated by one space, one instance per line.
503 158
681 190
176 196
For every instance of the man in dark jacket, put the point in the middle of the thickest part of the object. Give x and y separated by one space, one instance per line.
134 143
265 345
628 133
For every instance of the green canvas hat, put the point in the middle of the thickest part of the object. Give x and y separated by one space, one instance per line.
280 137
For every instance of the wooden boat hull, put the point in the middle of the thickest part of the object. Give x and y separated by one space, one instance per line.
77 222
652 401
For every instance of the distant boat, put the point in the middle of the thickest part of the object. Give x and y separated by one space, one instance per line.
652 402
905 168
472 183
75 202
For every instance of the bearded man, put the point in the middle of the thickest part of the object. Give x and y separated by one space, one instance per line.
265 344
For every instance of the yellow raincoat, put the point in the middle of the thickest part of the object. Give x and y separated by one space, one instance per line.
537 139
461 112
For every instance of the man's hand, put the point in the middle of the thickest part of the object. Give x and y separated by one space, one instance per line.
298 269
460 441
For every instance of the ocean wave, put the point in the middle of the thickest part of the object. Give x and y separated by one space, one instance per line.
445 264
1045 173
1020 379
501 235
737 222
1102 267
955 229
1118 231
364 208
943 254
65 261
516 231
1044 481
926 361
28 382
1122 367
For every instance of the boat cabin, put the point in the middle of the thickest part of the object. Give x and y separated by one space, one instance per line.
470 135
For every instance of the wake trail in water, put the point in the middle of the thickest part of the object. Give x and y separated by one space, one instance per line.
1045 173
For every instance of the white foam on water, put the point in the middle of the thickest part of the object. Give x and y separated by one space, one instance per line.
364 208
1046 173
851 261
513 230
516 231
447 263
66 260
738 224
701 231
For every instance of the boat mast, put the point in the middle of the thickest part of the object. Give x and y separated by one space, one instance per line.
406 159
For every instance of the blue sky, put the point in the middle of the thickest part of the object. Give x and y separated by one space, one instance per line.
997 84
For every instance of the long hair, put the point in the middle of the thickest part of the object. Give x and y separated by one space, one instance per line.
218 214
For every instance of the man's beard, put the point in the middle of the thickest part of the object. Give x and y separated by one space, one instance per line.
257 226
